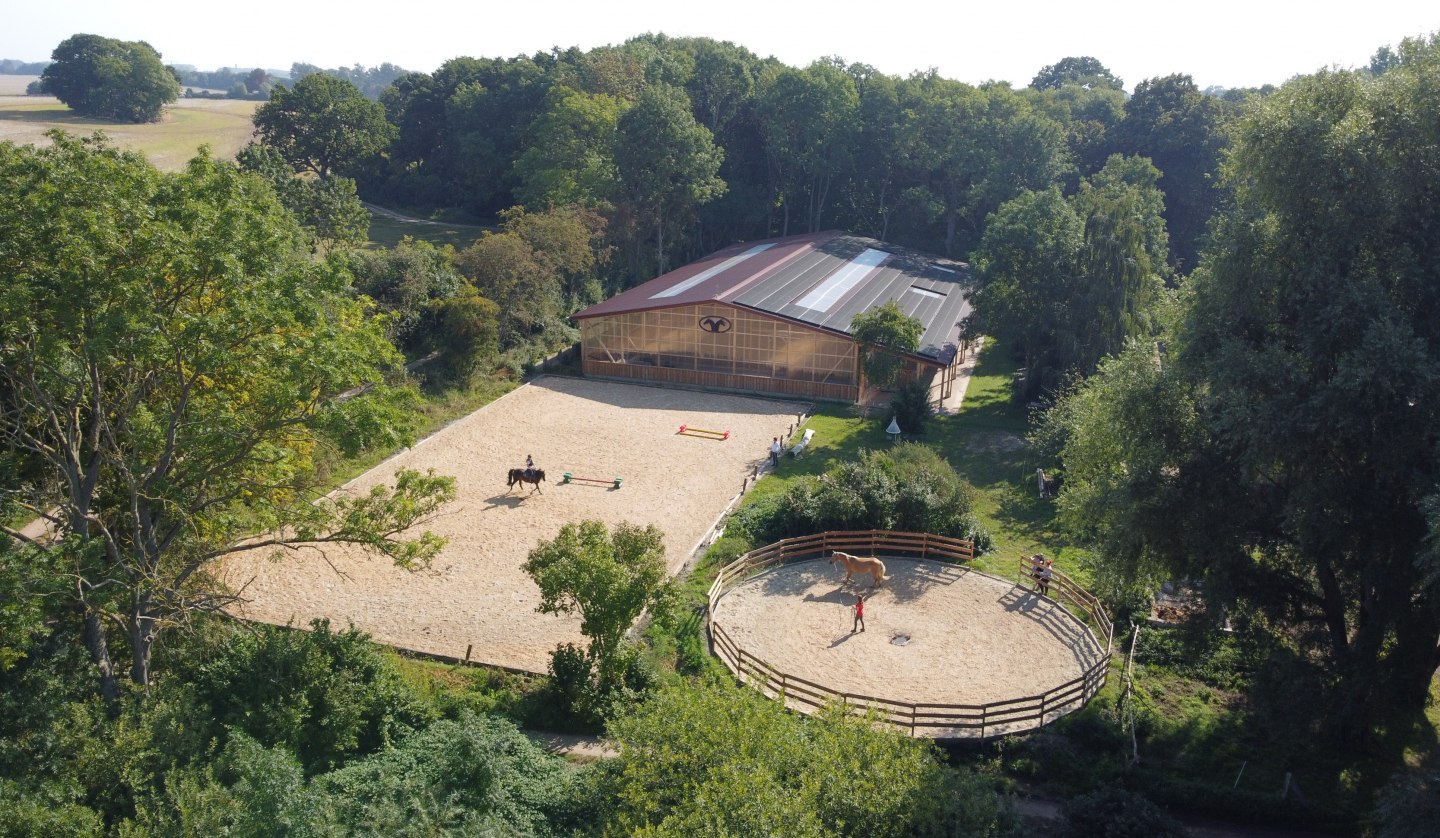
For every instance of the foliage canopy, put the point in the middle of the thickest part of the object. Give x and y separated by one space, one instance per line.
110 79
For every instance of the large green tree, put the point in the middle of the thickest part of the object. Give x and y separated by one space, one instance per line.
1181 130
667 163
1069 280
1286 452
110 79
809 118
329 208
1080 70
323 125
608 578
571 154
168 358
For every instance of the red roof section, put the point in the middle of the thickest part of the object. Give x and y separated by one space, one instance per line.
723 286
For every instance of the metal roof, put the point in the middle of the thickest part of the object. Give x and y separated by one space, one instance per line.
820 279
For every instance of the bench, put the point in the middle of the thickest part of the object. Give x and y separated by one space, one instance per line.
799 448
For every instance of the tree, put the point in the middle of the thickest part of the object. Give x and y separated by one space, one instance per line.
1090 116
465 330
323 125
258 81
404 281
571 158
110 79
1026 272
667 162
1084 71
809 121
720 759
1180 129
168 357
888 334
979 148
1069 281
506 269
1289 462
607 578
327 207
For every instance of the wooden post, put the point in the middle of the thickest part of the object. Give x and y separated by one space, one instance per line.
468 648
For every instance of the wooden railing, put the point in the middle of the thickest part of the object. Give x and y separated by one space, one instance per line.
941 721
1076 599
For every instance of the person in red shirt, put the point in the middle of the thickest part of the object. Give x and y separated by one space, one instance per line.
859 614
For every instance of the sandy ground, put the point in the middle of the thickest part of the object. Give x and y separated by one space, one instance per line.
974 639
475 593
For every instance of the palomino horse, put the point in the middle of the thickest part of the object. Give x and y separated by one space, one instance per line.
859 564
517 475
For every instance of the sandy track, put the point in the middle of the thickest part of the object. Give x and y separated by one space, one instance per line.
475 592
975 639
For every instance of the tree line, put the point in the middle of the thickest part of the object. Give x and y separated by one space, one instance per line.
754 148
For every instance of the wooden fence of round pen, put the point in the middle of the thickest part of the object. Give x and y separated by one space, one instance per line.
939 721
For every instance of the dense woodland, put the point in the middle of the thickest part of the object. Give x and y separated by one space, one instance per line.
1222 306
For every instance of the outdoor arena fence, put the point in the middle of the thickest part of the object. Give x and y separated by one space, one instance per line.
939 721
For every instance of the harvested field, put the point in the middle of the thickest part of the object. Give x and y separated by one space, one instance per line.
967 638
476 594
223 124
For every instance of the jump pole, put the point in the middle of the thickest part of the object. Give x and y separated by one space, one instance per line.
702 433
570 478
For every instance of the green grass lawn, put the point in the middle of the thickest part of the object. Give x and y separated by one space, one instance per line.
386 230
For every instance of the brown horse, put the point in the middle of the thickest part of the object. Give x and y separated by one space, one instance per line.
859 564
517 475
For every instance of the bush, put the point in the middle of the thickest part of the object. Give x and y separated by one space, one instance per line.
471 776
761 521
909 487
328 696
910 408
1116 813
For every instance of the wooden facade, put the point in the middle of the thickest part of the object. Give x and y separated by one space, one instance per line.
722 347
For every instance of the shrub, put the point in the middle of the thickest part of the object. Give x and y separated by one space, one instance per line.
909 487
329 696
1117 813
910 408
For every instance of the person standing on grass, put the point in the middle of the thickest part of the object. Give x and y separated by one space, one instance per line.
775 452
859 614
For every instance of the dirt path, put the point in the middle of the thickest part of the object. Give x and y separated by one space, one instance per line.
376 209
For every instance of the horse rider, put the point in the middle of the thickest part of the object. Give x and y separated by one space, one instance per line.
529 468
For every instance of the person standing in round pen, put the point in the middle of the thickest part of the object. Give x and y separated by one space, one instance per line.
859 614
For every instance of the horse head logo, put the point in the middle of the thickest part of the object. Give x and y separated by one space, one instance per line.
716 324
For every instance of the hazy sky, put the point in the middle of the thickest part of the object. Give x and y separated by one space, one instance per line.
1232 43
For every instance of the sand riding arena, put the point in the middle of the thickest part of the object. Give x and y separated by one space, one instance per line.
475 597
947 652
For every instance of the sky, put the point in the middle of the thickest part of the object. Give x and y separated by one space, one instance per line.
1229 43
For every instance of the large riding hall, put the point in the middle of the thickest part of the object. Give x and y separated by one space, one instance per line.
774 317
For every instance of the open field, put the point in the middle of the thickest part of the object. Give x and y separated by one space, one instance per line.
476 593
223 124
15 85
